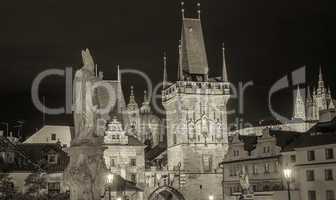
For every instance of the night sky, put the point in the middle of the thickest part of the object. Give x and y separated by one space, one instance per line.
265 40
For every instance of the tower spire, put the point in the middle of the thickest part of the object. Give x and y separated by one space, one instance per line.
224 72
320 75
164 70
299 106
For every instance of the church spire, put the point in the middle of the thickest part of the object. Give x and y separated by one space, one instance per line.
164 84
320 75
299 107
132 104
224 72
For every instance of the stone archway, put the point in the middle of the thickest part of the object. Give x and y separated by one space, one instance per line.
166 193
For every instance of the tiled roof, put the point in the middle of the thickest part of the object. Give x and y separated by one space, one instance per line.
323 133
152 153
31 157
194 58
133 141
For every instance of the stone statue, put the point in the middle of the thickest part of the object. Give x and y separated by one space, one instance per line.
84 99
244 180
86 172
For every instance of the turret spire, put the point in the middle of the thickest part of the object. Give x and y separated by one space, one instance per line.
180 69
118 69
164 84
320 75
331 105
132 104
224 72
145 96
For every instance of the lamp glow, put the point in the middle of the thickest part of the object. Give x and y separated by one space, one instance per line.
211 197
110 178
287 173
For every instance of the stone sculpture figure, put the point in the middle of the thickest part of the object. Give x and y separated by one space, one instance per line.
244 180
84 99
86 171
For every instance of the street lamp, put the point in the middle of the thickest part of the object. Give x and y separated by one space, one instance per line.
211 197
110 178
288 175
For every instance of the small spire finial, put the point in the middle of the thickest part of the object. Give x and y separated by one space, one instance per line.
224 75
182 9
145 96
164 69
132 92
199 10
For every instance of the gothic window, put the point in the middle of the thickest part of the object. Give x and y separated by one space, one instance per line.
207 163
266 149
133 162
255 169
112 162
267 168
54 187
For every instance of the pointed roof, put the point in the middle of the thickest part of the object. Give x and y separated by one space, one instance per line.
320 74
194 58
224 75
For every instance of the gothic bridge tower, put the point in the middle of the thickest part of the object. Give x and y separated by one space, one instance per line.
196 113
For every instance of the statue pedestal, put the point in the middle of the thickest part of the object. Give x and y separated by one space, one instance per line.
247 197
86 172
